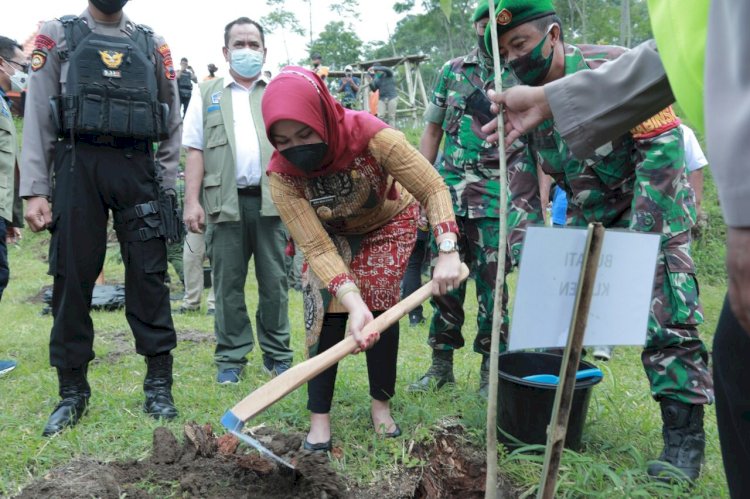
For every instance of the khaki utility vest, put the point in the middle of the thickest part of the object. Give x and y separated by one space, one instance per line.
220 199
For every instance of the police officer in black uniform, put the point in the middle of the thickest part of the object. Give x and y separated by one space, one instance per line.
102 93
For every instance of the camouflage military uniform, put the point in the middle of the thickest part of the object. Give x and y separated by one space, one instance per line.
470 169
637 182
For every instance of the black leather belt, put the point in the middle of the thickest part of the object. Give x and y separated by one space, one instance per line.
250 190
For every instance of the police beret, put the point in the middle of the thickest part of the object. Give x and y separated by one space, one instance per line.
482 11
512 13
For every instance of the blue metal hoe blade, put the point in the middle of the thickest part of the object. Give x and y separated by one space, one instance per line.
234 425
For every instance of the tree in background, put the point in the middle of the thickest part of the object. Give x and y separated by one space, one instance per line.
338 44
346 10
605 22
431 33
443 30
281 19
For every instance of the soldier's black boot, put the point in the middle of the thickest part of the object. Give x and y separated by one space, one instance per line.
684 442
438 375
158 387
484 377
74 391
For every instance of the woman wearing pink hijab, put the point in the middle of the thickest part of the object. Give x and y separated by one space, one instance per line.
345 186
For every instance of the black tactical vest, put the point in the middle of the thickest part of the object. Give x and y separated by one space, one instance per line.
111 86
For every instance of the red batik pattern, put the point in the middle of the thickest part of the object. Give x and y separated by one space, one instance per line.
380 264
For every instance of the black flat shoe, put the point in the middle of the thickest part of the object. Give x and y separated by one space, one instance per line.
319 447
395 433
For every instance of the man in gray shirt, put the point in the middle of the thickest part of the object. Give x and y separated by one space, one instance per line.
112 87
386 83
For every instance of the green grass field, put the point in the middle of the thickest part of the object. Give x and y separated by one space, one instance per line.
623 428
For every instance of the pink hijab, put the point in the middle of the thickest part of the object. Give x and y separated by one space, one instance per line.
300 95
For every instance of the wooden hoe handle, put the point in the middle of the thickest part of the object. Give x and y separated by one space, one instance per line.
280 386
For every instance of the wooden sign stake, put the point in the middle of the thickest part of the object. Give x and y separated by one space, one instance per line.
558 427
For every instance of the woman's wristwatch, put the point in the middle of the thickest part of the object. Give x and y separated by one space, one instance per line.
448 246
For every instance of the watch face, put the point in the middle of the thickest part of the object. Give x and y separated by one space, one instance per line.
448 245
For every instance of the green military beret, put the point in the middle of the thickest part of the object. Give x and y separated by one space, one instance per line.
482 11
512 13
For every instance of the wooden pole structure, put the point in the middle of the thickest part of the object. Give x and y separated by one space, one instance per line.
411 89
420 83
571 357
490 490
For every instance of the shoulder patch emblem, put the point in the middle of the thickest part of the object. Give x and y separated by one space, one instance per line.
504 17
166 56
38 59
656 125
44 42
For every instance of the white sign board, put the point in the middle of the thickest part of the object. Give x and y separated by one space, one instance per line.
548 280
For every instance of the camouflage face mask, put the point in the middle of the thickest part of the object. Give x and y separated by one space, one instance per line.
532 68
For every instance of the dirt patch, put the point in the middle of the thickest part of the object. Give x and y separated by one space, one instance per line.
202 465
194 336
197 467
120 342
39 297
456 468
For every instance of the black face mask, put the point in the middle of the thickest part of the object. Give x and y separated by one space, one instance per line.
109 7
481 45
532 68
307 157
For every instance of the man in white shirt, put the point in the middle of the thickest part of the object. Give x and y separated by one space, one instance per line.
695 160
227 156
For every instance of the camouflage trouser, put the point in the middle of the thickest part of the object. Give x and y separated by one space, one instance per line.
478 246
675 359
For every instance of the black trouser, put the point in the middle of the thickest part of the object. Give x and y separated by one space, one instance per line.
381 364
4 268
117 177
731 355
413 275
184 102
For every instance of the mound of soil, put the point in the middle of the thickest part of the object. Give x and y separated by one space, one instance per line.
201 466
207 466
456 468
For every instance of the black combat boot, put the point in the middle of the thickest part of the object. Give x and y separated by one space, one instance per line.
684 442
158 387
74 392
439 374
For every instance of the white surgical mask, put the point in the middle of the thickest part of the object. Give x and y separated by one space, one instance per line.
246 62
19 81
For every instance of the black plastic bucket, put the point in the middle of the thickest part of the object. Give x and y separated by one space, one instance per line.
524 408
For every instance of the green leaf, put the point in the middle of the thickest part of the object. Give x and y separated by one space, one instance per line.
446 6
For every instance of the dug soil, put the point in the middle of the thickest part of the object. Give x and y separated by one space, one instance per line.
204 465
